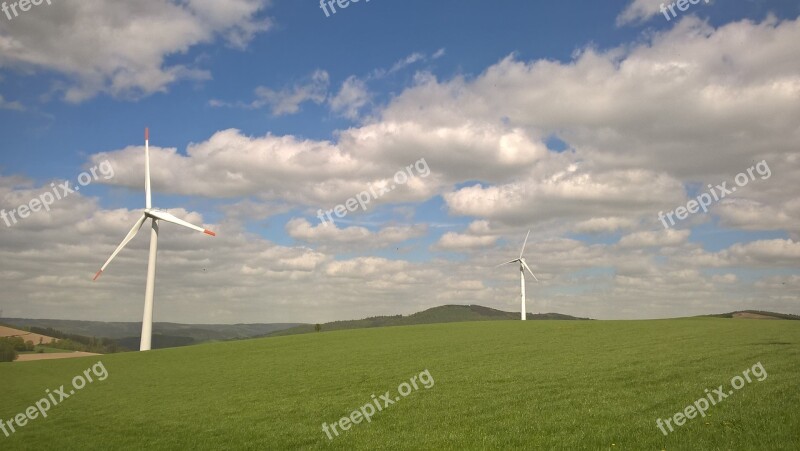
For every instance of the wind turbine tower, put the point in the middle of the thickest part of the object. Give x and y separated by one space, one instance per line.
522 267
154 215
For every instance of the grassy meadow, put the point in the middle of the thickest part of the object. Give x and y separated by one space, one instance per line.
498 385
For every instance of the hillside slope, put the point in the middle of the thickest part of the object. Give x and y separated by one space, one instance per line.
442 314
25 335
755 314
496 385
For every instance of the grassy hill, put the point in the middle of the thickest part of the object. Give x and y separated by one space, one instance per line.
756 314
442 314
498 385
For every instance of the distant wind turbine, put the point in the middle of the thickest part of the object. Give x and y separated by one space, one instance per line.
154 215
522 267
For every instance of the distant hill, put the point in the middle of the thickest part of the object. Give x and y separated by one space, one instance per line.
443 314
164 334
755 314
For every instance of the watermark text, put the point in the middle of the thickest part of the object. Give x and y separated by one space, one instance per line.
42 406
59 191
380 403
714 397
715 195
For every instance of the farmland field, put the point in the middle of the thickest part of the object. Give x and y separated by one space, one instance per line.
498 385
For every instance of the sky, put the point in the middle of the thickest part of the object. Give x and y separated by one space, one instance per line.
653 157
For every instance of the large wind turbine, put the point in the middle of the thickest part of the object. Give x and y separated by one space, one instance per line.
522 267
154 215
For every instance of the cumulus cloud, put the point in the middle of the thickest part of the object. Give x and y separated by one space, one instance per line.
660 238
764 253
330 236
452 241
626 160
287 100
351 98
407 61
287 169
54 254
573 194
638 11
692 84
646 125
603 225
121 48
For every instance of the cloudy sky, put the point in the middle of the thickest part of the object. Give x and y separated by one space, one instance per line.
581 121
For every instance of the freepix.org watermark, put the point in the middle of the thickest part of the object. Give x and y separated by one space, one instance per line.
714 397
380 403
24 6
704 200
363 198
682 5
325 5
42 406
60 191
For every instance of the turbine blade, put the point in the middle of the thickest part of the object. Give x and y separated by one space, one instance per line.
529 270
129 237
524 243
164 216
511 261
147 198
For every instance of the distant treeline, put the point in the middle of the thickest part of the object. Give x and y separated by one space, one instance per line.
74 342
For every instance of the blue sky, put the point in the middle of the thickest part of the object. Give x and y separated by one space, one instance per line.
577 120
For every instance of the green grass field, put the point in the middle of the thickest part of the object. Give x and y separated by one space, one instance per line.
498 385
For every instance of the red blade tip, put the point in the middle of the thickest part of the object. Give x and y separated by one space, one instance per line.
97 275
208 232
146 134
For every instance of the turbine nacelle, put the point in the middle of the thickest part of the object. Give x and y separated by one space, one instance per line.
163 215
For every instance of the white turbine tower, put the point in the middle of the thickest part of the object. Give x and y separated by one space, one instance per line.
154 215
522 267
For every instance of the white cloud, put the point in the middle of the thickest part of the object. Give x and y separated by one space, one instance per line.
407 61
576 193
645 125
604 225
742 76
49 259
452 241
351 98
628 163
764 252
249 209
725 278
330 237
638 11
286 100
660 238
120 48
270 168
